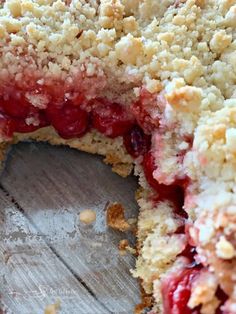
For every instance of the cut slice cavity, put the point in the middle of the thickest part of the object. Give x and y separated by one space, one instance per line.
73 120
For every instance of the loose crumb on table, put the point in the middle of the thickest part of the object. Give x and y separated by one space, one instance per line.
116 217
87 216
52 308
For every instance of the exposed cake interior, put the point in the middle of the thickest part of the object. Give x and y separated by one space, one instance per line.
157 79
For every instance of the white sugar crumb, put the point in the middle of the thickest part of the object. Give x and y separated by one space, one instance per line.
203 292
38 100
87 216
206 231
32 121
224 249
231 139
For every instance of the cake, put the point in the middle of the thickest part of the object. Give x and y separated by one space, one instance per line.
150 85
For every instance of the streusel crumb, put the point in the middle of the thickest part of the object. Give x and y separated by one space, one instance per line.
87 216
52 308
116 217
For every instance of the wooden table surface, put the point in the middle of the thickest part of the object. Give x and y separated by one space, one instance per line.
46 253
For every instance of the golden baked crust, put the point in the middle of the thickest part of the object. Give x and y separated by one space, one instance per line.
3 152
93 142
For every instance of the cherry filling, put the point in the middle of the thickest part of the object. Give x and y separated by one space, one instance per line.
136 142
15 106
69 121
143 109
111 119
222 297
174 192
18 115
22 126
176 291
189 252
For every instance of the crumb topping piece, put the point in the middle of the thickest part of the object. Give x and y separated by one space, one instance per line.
116 217
87 216
52 308
224 249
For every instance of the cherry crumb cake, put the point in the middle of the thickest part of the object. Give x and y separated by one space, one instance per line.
149 84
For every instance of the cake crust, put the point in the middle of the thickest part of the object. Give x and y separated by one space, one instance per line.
93 142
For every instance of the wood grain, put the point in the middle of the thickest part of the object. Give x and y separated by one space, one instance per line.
48 187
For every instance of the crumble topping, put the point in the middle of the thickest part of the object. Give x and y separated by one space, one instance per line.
203 292
224 249
123 246
116 217
142 41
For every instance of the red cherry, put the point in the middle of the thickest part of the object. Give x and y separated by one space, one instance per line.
111 119
180 229
148 167
68 120
136 142
146 108
16 106
223 298
21 125
174 192
143 117
176 291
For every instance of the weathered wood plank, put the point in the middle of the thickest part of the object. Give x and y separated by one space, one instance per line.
53 185
31 275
